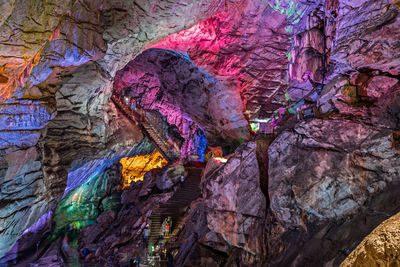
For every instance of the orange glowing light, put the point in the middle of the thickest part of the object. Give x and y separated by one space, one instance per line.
13 75
134 168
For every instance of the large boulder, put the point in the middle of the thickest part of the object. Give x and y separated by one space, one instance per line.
236 204
379 248
325 177
229 217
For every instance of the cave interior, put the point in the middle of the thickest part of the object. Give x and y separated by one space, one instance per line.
200 133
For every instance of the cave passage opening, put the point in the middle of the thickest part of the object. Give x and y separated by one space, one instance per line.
187 114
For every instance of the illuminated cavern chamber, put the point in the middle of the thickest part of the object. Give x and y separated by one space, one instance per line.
278 119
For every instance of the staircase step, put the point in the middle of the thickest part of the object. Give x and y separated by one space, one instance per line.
175 206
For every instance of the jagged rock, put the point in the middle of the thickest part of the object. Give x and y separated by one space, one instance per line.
87 201
106 218
51 258
31 238
308 54
170 177
332 92
328 173
120 235
24 31
378 86
22 187
69 36
332 181
166 81
228 46
235 202
367 35
299 89
229 217
379 248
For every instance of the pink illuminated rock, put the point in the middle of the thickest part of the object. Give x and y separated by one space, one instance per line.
378 86
244 47
163 80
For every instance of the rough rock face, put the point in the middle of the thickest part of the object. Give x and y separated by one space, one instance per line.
331 178
244 46
24 30
376 45
231 224
167 81
170 177
23 194
43 48
68 35
235 202
90 199
118 234
229 217
325 176
379 248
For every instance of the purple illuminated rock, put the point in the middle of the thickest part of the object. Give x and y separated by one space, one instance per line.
170 83
229 217
367 35
324 178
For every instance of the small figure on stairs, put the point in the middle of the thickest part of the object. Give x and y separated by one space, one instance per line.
169 220
146 233
163 226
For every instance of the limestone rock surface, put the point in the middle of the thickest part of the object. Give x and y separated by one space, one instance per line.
324 177
229 217
380 247
164 80
58 60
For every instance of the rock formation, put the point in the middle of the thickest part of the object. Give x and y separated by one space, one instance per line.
302 99
381 247
63 88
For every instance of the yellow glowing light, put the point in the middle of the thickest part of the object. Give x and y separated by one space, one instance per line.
134 168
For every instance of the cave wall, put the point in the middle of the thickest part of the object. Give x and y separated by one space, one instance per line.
380 247
188 97
72 56
332 178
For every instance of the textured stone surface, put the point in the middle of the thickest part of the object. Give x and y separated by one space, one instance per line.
89 200
84 125
229 217
244 46
24 31
323 173
170 177
375 46
379 248
235 202
23 194
331 180
118 234
166 81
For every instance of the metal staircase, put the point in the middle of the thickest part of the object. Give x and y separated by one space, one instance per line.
148 130
176 205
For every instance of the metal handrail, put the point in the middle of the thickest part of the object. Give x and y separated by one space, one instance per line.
142 122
